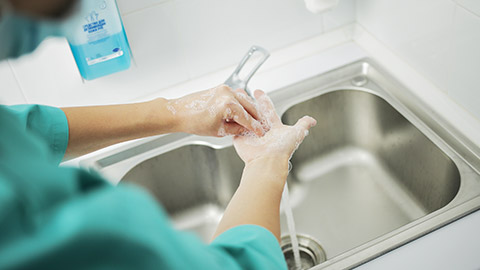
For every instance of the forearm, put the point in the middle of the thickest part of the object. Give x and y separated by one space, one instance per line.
257 199
95 127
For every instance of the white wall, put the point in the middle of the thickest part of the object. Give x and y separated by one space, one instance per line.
176 40
172 41
439 38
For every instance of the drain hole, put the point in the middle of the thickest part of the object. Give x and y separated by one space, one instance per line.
311 253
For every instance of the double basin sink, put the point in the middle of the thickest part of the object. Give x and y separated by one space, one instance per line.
379 169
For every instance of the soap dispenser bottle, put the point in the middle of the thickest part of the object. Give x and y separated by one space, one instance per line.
97 39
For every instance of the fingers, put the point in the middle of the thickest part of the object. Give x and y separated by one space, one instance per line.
232 129
241 117
303 125
306 122
258 93
247 103
266 108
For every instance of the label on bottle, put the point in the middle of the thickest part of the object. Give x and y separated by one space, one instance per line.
97 39
104 58
95 20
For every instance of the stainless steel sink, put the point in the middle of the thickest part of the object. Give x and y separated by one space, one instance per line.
364 171
194 183
380 168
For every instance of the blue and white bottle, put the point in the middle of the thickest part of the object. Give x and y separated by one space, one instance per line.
98 40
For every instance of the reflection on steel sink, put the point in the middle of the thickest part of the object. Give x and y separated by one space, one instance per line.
364 171
194 183
377 171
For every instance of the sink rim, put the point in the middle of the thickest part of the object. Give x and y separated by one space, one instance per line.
119 161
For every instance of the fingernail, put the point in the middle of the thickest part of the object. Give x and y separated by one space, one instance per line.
260 132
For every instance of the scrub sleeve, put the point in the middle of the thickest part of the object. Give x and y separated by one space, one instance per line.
48 123
64 218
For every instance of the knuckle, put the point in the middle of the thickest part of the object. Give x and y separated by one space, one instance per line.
231 102
223 101
225 88
240 94
228 112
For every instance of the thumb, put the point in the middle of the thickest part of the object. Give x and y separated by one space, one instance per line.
303 125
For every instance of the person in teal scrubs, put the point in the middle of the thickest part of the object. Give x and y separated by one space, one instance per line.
66 218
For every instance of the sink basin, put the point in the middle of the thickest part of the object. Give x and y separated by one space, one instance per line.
201 181
379 169
364 171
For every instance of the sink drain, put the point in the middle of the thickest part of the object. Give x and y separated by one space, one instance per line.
311 252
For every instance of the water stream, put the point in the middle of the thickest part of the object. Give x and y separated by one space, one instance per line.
291 227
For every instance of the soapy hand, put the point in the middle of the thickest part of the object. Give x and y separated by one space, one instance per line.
279 140
219 112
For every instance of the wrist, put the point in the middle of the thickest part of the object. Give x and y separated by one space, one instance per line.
280 160
272 170
163 116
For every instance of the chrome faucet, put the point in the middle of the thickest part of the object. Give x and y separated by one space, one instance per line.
235 81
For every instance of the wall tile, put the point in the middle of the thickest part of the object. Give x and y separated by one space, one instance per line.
9 88
50 76
154 38
438 38
217 33
419 31
341 15
471 5
172 41
464 82
129 6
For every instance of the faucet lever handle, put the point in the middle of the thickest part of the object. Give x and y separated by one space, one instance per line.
235 81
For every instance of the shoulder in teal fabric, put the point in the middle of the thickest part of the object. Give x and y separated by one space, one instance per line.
65 218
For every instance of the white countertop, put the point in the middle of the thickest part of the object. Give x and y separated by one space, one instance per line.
454 246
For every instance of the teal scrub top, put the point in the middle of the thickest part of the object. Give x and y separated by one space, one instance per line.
66 218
